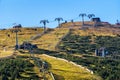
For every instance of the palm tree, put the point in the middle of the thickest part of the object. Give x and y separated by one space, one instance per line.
82 15
59 19
91 16
44 23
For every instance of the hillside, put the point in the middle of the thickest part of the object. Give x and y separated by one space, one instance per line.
87 24
67 71
76 44
84 42
51 37
49 40
8 36
8 41
76 25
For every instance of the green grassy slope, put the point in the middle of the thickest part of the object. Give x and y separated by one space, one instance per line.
63 70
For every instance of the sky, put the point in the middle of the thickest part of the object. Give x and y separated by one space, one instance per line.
28 13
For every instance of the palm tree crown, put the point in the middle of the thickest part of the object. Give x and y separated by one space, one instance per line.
91 16
44 23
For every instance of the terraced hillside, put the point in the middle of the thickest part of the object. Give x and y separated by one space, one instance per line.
71 43
77 24
87 24
90 39
18 68
63 71
7 38
49 40
80 43
100 31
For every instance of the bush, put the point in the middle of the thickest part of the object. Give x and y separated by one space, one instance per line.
13 68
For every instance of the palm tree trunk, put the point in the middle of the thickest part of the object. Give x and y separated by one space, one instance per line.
82 21
44 28
59 24
16 47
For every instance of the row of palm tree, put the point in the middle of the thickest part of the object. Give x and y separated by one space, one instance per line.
82 15
46 21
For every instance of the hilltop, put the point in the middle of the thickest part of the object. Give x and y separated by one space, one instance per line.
89 24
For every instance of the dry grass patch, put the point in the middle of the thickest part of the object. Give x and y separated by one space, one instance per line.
5 53
101 31
24 35
49 41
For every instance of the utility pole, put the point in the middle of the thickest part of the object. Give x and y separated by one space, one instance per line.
16 30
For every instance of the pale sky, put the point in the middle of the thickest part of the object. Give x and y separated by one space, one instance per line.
30 12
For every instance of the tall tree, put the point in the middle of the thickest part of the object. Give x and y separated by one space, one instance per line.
82 15
44 23
91 16
59 19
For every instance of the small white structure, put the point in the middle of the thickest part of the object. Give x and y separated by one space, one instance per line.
101 52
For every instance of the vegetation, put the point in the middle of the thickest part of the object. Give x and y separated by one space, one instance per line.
63 70
82 15
107 68
88 44
59 19
44 23
12 69
90 16
5 53
77 44
49 41
81 42
8 37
